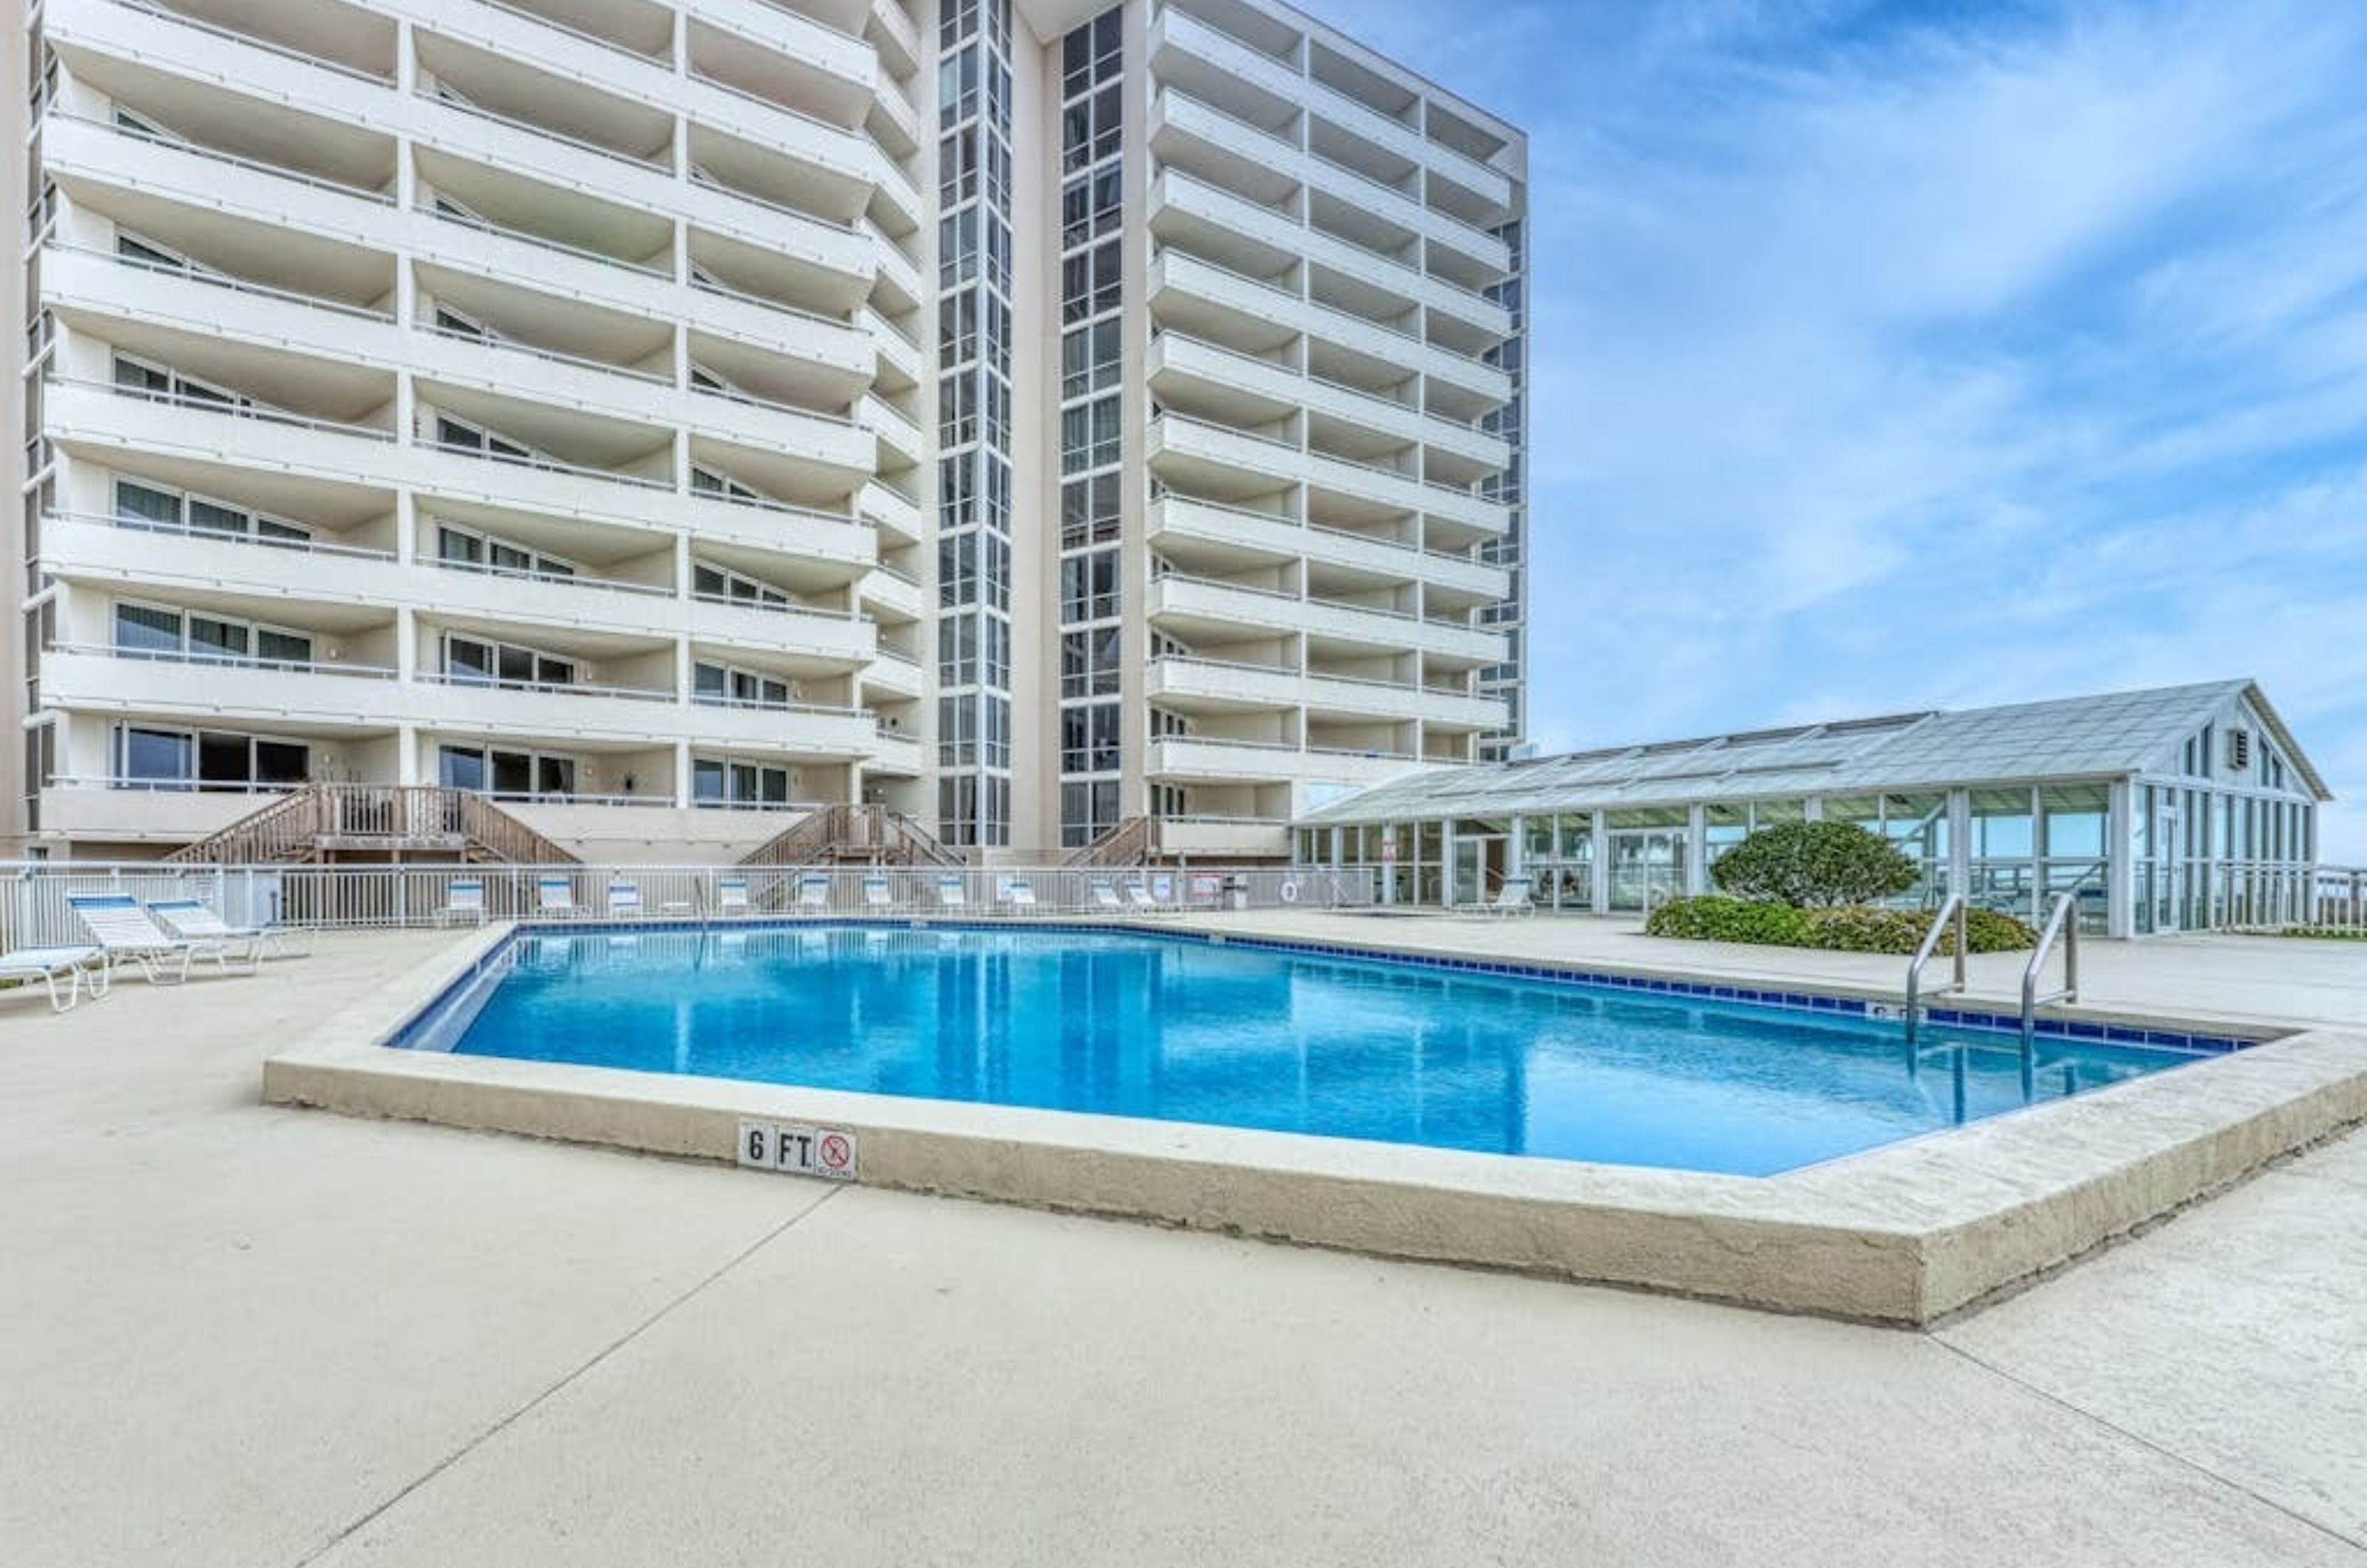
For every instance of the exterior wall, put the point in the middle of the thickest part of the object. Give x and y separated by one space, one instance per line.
645 302
14 743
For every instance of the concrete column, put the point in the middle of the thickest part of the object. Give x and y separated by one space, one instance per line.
681 777
1599 872
408 767
1960 840
1697 852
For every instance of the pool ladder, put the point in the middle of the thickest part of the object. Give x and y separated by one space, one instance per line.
2062 924
1951 910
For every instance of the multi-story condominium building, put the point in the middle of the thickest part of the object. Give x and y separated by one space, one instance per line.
1046 422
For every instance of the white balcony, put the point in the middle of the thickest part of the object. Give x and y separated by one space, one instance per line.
1200 203
1177 113
205 55
1205 685
78 283
1222 838
96 680
1183 284
893 675
1184 450
1188 759
96 811
805 637
1190 605
893 753
894 511
1181 361
892 596
1254 537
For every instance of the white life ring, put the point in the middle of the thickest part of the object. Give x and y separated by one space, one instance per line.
1290 892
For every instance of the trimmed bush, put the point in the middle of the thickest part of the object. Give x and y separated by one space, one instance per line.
1813 865
1834 929
1713 919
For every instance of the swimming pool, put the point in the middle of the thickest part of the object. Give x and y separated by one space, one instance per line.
1257 1035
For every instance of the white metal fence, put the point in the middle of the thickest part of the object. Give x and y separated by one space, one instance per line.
34 912
2337 900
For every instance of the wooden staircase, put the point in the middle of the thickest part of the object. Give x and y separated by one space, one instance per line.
865 835
321 822
1132 843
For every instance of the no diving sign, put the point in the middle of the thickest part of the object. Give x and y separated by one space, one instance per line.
799 1151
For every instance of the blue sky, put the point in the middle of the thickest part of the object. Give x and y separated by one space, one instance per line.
1893 355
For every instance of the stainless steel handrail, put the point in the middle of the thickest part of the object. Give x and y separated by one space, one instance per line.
2062 923
1951 908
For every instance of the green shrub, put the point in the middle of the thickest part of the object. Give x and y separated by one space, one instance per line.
1851 928
1813 865
2327 933
1713 919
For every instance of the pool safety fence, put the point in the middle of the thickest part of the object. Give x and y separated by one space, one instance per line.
34 912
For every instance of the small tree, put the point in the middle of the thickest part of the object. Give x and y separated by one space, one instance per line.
1812 863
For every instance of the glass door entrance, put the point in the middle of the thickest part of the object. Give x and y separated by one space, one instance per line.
1646 862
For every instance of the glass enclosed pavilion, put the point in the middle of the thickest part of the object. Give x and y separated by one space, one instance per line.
2185 808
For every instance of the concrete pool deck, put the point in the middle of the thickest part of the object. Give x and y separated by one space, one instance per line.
1905 1233
242 1335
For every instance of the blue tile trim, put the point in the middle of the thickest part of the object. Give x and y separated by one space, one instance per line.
2057 1030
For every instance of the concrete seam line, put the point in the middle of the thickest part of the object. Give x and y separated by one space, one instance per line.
2197 1466
635 1332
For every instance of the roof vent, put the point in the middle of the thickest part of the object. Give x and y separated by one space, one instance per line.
2239 749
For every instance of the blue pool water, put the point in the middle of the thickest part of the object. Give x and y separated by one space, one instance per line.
1185 1031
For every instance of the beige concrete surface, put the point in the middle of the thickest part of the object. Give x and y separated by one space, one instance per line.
2287 979
240 1336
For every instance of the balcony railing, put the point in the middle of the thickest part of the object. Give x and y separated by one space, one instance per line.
263 412
556 357
218 536
547 464
546 688
252 40
224 660
225 280
558 579
215 154
470 221
450 99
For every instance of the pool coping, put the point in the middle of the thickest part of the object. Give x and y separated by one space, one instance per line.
1906 1234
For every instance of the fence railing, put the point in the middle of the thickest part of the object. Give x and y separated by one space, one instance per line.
34 912
2335 899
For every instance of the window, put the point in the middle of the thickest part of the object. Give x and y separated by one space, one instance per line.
1090 206
520 775
151 757
1092 53
706 481
1089 587
472 661
1088 743
1091 358
157 631
449 320
1090 283
1089 511
730 782
711 581
725 685
1089 436
1090 663
1088 809
1091 126
149 380
458 435
469 551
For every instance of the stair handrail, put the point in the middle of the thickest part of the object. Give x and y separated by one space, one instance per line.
2059 924
1951 908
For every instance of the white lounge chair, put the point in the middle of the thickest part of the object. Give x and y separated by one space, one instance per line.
464 899
624 900
814 894
1105 895
196 919
127 934
554 897
731 895
1514 897
49 965
1137 895
952 893
876 895
1019 895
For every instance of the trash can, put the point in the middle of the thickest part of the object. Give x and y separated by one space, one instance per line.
1237 893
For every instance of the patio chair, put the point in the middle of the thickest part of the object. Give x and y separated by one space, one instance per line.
554 897
1142 901
624 900
814 894
49 965
1105 895
127 934
1514 897
731 895
1019 896
196 919
876 895
464 899
952 893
